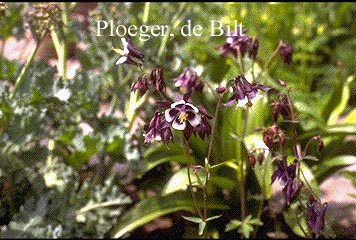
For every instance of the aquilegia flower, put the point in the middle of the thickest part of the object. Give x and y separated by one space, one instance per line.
129 55
183 115
144 83
286 53
287 175
236 44
315 215
188 80
244 92
158 129
186 117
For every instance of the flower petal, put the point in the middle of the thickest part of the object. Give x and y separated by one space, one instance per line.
242 103
194 119
195 109
178 125
170 114
121 60
177 103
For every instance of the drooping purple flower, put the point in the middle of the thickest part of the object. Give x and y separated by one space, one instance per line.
189 80
158 129
281 106
244 92
253 48
129 55
142 84
235 44
286 53
315 215
283 172
157 79
292 189
220 89
203 129
287 175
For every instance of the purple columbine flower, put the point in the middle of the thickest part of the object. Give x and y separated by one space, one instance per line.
236 44
184 117
292 189
158 129
315 215
286 53
244 92
129 55
281 106
181 114
287 175
157 79
188 79
203 129
253 48
142 84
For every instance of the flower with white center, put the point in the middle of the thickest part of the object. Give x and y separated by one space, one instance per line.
183 115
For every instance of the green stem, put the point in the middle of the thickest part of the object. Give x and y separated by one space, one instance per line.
20 79
214 127
187 156
146 13
175 20
270 60
242 169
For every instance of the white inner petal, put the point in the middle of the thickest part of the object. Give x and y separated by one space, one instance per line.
177 103
195 121
167 116
179 126
242 103
121 60
194 108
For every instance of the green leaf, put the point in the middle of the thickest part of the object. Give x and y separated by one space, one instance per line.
342 101
263 172
148 209
179 181
202 226
193 219
232 225
222 182
329 166
246 229
212 218
351 117
161 154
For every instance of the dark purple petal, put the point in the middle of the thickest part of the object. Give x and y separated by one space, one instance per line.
286 53
292 189
220 89
315 215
